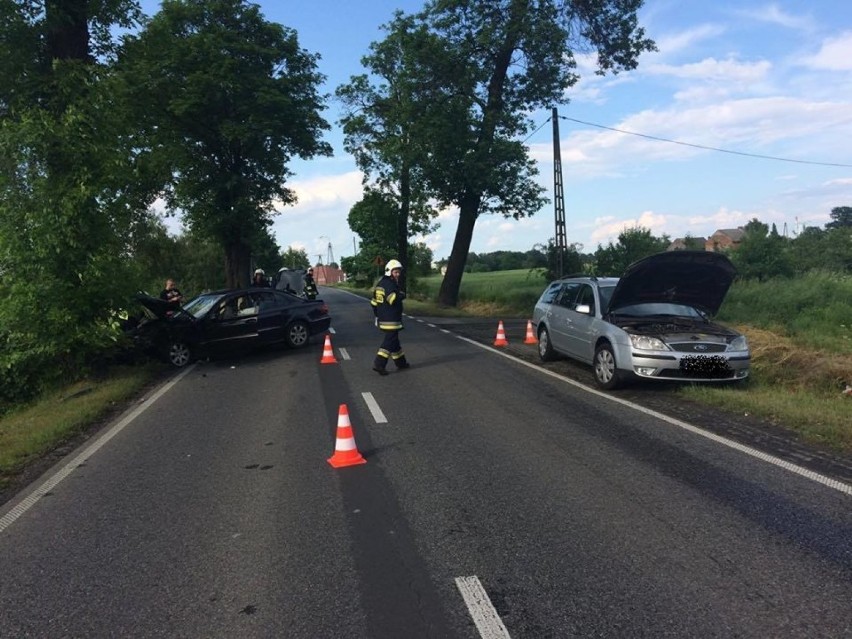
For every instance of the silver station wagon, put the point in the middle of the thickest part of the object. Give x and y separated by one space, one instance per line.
652 323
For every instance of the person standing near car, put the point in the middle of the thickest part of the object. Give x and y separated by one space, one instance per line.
171 293
310 289
259 278
387 307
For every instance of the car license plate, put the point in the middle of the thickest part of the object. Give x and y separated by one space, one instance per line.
704 366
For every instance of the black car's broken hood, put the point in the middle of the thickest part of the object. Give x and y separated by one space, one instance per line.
158 306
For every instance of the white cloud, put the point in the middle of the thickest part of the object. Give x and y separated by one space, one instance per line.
772 14
729 70
687 39
835 54
327 191
746 126
839 182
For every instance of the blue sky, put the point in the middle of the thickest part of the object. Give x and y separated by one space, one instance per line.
762 78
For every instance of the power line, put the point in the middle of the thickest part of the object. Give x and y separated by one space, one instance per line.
696 146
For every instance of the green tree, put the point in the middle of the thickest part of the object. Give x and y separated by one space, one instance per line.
825 250
384 130
66 199
761 254
841 217
497 62
420 259
572 260
225 100
294 258
633 244
693 243
374 219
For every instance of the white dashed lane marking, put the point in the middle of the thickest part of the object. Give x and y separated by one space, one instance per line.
481 610
373 405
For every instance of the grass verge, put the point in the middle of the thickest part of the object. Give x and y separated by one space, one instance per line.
29 433
794 386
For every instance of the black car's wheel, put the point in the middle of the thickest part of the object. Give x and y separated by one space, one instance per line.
545 350
606 372
297 334
179 353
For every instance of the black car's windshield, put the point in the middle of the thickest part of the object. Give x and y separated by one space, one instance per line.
659 310
201 305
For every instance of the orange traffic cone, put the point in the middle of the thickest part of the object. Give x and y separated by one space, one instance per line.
530 338
501 340
327 352
345 451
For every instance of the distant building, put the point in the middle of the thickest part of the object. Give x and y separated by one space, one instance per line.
725 239
684 243
328 275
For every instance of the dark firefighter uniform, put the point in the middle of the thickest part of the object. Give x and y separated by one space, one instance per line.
310 289
387 306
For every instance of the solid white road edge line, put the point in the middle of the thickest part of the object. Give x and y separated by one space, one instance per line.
373 405
487 620
748 450
9 518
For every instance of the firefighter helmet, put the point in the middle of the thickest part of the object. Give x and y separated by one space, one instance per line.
391 265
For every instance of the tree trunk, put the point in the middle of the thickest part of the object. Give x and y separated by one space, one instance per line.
469 205
449 293
402 220
67 30
237 265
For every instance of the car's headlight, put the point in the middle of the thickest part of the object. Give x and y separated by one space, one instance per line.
739 344
645 343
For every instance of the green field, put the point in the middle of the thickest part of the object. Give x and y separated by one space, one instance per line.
511 292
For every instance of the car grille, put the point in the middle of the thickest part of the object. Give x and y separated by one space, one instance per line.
698 347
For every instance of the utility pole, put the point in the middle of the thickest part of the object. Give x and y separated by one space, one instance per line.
330 254
558 198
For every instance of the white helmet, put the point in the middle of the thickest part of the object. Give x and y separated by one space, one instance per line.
259 271
391 265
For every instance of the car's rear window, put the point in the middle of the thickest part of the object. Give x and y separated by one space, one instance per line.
550 293
605 293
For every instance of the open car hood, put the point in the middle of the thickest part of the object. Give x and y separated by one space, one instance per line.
156 305
700 279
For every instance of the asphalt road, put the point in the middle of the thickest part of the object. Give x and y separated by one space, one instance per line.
498 499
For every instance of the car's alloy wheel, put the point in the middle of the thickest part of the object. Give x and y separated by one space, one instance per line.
606 373
179 354
297 334
545 350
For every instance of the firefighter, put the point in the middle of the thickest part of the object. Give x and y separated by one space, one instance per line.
310 290
259 278
387 307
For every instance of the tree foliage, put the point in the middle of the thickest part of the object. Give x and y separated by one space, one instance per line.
67 203
385 125
761 254
633 244
841 217
294 258
494 63
224 100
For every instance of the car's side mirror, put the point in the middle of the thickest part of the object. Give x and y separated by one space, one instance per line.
585 309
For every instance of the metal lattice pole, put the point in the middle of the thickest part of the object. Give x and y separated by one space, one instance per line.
558 198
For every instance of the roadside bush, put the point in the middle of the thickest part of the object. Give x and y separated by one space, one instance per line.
814 308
